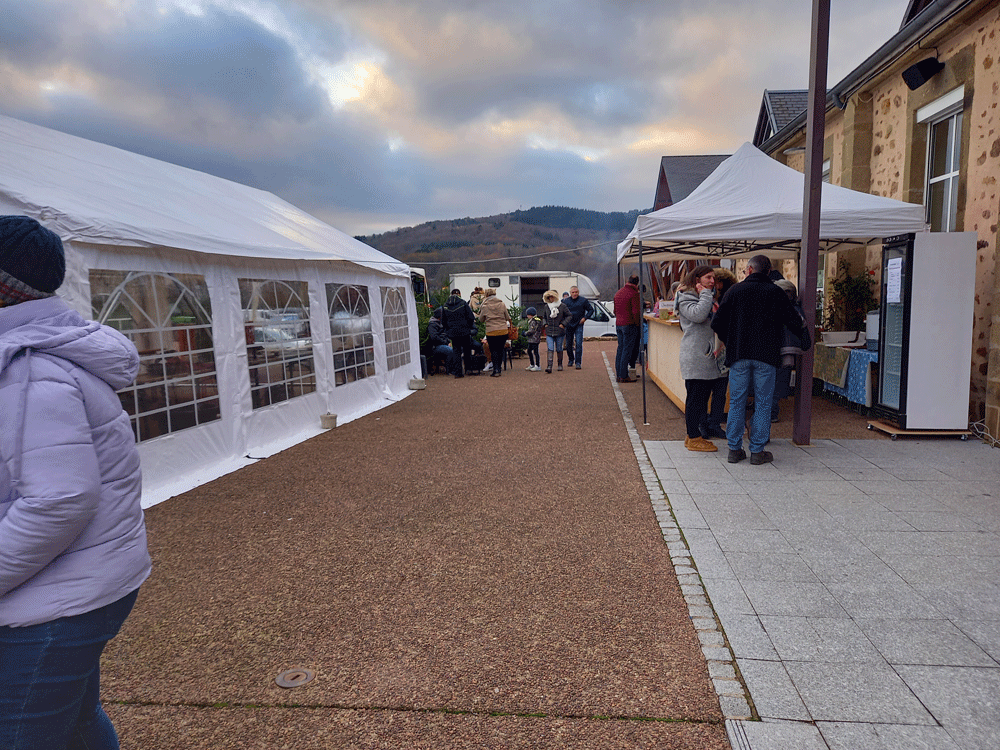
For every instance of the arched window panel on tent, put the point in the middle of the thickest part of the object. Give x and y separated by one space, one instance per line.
279 339
351 332
396 326
169 319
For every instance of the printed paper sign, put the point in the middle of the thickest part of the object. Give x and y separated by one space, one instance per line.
894 281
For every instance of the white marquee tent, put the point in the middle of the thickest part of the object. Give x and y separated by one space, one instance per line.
752 204
252 317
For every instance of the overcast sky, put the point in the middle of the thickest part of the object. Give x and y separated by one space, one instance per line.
375 115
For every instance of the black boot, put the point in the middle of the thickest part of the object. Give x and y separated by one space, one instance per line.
559 357
548 366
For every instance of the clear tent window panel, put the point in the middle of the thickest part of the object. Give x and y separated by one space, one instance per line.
351 332
397 327
169 319
279 339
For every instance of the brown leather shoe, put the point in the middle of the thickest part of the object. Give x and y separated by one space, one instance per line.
625 380
700 444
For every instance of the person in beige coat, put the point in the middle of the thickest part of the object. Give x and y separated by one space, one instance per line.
496 319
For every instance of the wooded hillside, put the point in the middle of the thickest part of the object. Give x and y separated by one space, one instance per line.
552 238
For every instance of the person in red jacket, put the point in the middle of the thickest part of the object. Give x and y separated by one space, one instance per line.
628 326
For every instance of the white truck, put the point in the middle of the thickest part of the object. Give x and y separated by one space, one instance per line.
525 288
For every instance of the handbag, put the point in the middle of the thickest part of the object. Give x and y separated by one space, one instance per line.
513 332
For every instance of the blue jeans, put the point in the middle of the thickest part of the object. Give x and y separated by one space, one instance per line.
51 681
744 375
555 343
628 348
574 345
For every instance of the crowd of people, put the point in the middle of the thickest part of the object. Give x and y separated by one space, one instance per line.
740 339
452 332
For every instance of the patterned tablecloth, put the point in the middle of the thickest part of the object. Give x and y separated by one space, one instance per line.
830 364
857 385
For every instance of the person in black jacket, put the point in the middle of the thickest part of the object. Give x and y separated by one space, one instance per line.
751 322
579 310
460 322
791 350
437 337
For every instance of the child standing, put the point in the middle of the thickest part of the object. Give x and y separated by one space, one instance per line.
534 336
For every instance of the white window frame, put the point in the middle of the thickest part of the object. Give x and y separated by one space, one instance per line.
948 110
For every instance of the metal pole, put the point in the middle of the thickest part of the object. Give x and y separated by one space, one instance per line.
809 254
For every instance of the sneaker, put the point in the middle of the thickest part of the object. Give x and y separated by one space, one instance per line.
764 457
736 456
529 368
536 368
559 368
578 366
714 432
700 444
489 366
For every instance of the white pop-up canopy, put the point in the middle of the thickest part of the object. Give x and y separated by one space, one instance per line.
753 204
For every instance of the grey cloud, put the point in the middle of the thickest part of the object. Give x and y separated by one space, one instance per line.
32 32
225 57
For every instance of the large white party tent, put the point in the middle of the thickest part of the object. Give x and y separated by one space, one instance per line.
753 204
253 319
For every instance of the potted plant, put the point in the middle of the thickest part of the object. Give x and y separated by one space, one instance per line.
850 299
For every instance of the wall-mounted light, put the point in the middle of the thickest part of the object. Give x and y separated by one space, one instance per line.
920 73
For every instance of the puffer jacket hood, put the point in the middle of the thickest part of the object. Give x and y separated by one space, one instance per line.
50 326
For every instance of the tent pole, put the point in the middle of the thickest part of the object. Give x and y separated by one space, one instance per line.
642 322
809 252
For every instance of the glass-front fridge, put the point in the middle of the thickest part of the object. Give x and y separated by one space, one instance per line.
894 314
925 330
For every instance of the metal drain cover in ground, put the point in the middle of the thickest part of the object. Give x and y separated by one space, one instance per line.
294 677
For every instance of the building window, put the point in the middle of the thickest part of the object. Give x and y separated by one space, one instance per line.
826 171
943 118
279 340
351 332
169 319
396 325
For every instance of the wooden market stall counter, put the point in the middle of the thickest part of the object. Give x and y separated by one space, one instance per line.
664 358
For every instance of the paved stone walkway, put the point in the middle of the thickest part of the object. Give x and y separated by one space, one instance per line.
857 583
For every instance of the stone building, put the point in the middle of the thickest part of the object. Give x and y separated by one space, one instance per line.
919 121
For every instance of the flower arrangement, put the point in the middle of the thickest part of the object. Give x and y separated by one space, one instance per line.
851 298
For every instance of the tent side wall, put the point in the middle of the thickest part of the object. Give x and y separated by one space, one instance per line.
240 398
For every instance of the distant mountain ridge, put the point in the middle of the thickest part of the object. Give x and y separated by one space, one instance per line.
540 238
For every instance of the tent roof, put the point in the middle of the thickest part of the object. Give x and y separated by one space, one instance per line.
93 193
753 204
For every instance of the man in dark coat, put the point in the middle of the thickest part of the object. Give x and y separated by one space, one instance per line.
459 322
628 326
751 322
579 310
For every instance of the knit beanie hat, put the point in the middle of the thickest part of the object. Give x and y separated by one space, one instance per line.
32 263
531 311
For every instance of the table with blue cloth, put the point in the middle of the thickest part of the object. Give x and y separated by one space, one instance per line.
857 386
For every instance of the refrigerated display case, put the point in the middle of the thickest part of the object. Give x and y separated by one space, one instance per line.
925 330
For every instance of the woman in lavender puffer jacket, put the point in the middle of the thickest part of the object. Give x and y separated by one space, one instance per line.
72 536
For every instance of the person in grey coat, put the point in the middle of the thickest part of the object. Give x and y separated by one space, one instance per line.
695 303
